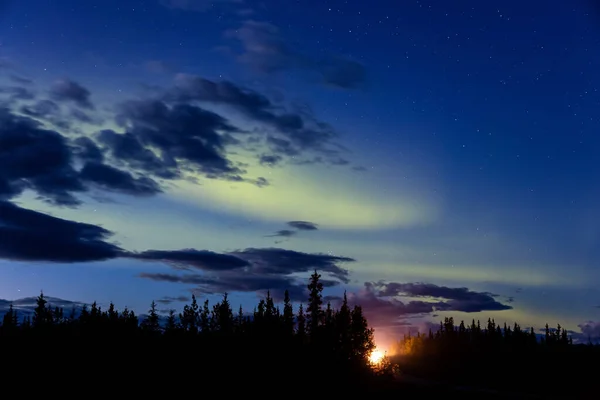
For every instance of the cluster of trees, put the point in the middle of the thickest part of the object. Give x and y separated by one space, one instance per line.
450 338
500 357
345 330
270 340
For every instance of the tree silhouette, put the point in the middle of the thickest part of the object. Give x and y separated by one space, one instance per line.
267 344
315 302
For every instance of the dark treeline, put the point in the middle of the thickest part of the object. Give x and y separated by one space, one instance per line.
205 343
503 357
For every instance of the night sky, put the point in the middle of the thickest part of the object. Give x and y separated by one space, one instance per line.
432 158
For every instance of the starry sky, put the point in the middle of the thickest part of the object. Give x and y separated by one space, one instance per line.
432 158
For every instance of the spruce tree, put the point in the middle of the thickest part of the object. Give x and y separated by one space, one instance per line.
288 314
315 302
301 322
361 335
151 323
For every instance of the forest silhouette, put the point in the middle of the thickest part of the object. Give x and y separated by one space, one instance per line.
277 351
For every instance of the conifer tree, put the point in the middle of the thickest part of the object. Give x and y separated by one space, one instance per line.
343 322
362 337
301 322
288 314
315 302
41 314
223 316
151 323
205 321
171 323
10 320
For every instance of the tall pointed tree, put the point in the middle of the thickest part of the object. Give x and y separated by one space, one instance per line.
288 314
315 302
151 323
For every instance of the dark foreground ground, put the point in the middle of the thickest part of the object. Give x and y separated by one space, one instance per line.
528 376
118 368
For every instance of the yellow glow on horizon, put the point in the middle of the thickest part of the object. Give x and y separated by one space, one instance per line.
509 275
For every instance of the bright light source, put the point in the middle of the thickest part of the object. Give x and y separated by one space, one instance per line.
376 356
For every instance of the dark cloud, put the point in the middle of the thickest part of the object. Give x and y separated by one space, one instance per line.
43 160
169 300
127 149
303 225
298 131
35 158
590 330
237 282
298 226
197 259
265 50
196 5
385 309
270 159
66 90
186 136
454 299
283 233
282 261
267 269
85 149
27 235
113 179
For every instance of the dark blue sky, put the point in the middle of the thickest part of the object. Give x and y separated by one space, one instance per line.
433 142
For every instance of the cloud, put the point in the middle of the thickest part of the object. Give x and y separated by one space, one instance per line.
21 80
232 282
298 226
270 159
187 137
282 261
35 158
17 93
66 90
27 235
26 306
196 5
590 330
112 179
385 308
169 300
303 225
174 138
270 269
283 233
265 50
292 132
460 299
197 259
